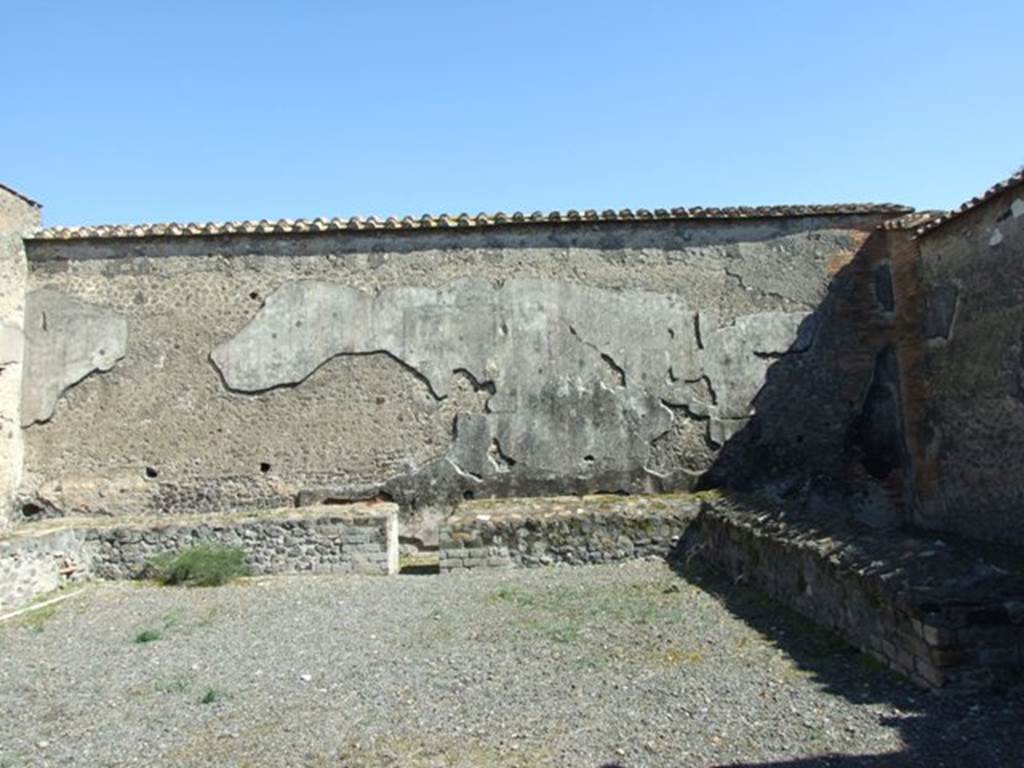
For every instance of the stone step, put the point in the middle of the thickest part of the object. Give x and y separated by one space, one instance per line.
357 538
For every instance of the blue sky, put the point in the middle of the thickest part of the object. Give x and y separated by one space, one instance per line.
131 112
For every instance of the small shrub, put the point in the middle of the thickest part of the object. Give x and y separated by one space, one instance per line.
148 636
203 565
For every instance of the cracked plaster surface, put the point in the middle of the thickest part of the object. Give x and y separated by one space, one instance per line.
580 378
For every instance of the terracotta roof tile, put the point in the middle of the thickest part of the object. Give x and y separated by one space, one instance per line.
913 221
1016 180
461 221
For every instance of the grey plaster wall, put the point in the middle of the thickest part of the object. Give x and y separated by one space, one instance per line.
434 365
17 216
968 430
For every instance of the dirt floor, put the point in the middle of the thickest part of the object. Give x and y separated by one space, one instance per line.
619 665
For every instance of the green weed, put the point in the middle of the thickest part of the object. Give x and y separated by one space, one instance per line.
148 636
177 684
203 565
211 696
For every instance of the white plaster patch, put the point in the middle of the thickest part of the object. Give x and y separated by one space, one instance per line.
65 341
11 344
1017 208
996 239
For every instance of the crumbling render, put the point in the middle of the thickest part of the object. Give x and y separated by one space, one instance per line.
569 385
66 340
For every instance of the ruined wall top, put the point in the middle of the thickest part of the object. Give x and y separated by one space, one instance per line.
17 212
936 222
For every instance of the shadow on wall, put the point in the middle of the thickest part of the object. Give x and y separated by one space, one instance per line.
638 374
852 375
827 424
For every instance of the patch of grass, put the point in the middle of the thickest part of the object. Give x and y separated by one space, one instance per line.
203 565
35 620
588 663
581 615
37 613
674 656
561 632
513 595
176 684
212 696
168 621
148 636
208 616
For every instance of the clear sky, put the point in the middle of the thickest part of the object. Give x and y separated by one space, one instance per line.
155 111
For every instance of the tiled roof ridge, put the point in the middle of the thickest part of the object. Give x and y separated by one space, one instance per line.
911 221
20 196
462 220
1008 183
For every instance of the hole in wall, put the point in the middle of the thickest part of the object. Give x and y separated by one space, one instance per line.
420 569
31 511
468 495
264 467
589 458
151 472
254 295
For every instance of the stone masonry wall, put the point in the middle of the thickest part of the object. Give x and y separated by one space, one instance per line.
938 614
356 538
34 565
527 533
179 375
964 356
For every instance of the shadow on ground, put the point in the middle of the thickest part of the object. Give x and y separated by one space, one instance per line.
937 728
827 433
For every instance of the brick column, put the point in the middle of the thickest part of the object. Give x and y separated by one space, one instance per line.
18 216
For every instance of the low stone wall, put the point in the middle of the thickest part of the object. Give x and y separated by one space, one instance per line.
351 541
505 533
357 538
940 615
33 565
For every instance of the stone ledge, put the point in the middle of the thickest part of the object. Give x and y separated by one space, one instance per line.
524 533
358 538
941 615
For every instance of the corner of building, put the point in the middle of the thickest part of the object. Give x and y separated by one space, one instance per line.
19 216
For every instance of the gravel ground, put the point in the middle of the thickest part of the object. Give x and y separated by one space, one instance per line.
619 665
